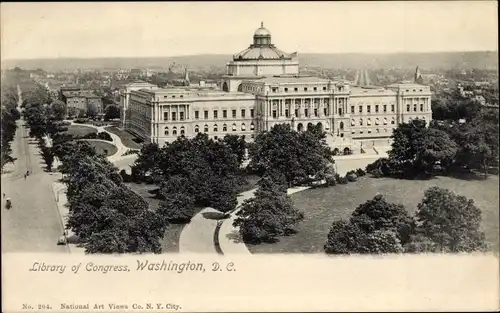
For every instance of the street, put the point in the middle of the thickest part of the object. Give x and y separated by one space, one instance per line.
33 223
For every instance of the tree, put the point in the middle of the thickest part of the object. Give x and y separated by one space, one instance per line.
375 226
267 216
73 112
112 112
450 221
177 208
237 144
298 156
349 238
92 111
58 110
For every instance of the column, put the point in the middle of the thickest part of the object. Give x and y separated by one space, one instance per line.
292 108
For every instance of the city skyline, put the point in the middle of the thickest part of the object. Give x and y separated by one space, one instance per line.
107 30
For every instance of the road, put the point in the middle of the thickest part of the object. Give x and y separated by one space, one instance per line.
33 223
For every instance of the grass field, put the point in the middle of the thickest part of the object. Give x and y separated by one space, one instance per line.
78 130
100 146
324 205
170 242
126 137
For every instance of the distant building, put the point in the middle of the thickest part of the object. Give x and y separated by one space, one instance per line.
263 88
125 99
81 99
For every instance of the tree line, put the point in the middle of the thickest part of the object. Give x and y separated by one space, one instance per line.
443 222
9 116
444 147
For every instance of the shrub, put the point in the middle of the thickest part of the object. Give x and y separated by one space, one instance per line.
343 180
360 172
337 178
104 136
130 151
330 180
351 177
126 177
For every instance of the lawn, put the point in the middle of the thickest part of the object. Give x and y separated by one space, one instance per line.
79 131
126 137
170 242
322 206
101 146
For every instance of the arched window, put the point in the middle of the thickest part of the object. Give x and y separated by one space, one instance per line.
353 122
234 127
166 131
377 121
385 120
215 128
341 126
224 128
206 128
361 121
196 128
225 87
369 121
252 126
243 127
182 131
174 131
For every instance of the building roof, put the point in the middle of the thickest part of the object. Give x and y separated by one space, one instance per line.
262 31
261 53
274 80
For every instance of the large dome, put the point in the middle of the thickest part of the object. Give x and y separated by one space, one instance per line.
262 31
262 48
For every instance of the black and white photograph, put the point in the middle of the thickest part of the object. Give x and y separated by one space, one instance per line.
249 130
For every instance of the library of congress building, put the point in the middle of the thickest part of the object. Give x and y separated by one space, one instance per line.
263 87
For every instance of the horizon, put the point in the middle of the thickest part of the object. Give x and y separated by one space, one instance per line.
226 54
32 31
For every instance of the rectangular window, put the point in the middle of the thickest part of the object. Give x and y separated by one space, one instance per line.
224 113
392 108
352 109
324 88
368 108
296 112
306 112
286 113
385 108
275 89
421 107
216 114
274 113
286 89
407 108
165 116
243 113
234 113
205 114
174 116
324 111
251 112
316 112
181 116
360 109
305 88
295 89
414 108
315 88
376 108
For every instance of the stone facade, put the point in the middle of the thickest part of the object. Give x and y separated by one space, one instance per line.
263 88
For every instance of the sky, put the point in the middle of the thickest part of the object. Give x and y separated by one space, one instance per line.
156 29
